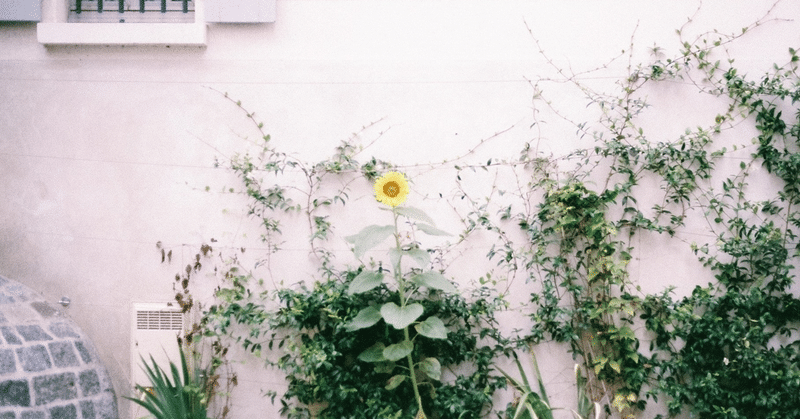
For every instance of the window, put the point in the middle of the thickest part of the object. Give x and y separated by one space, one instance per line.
125 22
127 11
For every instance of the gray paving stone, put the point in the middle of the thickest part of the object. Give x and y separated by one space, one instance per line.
64 412
33 333
6 299
15 393
90 384
45 309
7 362
19 292
87 410
38 414
63 330
83 351
106 408
63 354
34 358
49 388
10 336
3 318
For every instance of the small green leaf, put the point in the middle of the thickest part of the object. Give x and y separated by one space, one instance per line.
364 282
599 364
432 231
627 333
615 366
395 381
369 237
432 327
365 318
373 354
435 280
432 368
400 317
398 351
415 213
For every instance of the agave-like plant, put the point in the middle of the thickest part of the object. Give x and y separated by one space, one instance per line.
530 404
536 405
183 396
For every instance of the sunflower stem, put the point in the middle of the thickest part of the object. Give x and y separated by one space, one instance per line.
398 276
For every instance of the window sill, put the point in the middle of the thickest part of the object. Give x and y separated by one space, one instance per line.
121 33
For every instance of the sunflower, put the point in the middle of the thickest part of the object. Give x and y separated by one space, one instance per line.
391 189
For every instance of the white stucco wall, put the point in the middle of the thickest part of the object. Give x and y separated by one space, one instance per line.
105 150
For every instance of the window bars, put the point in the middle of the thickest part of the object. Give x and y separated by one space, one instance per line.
144 6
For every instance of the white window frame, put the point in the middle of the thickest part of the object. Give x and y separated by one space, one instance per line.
55 29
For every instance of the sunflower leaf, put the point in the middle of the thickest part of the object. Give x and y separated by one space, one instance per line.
435 280
400 317
432 327
373 354
395 381
384 367
365 318
364 282
398 351
415 213
432 368
369 237
394 256
420 256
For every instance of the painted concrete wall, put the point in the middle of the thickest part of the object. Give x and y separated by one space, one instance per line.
105 150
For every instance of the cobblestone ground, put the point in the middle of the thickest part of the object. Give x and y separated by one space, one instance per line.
48 367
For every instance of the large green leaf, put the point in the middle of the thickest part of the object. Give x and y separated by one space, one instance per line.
432 327
414 213
364 282
435 280
373 354
400 317
432 368
398 351
369 237
365 318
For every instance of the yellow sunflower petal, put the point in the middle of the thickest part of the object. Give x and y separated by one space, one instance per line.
391 189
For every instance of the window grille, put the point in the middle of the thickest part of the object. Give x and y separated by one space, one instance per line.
131 11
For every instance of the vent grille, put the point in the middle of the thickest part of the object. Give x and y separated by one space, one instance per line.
159 320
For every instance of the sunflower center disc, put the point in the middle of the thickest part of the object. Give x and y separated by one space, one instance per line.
391 189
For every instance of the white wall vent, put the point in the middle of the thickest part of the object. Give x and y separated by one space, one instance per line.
159 320
154 332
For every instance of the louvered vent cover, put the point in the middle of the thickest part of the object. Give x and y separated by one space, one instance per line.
159 320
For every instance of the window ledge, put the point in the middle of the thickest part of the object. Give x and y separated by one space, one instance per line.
122 33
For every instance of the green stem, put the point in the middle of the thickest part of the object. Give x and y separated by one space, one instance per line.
402 290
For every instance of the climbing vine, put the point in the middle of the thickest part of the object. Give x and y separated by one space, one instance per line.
571 227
